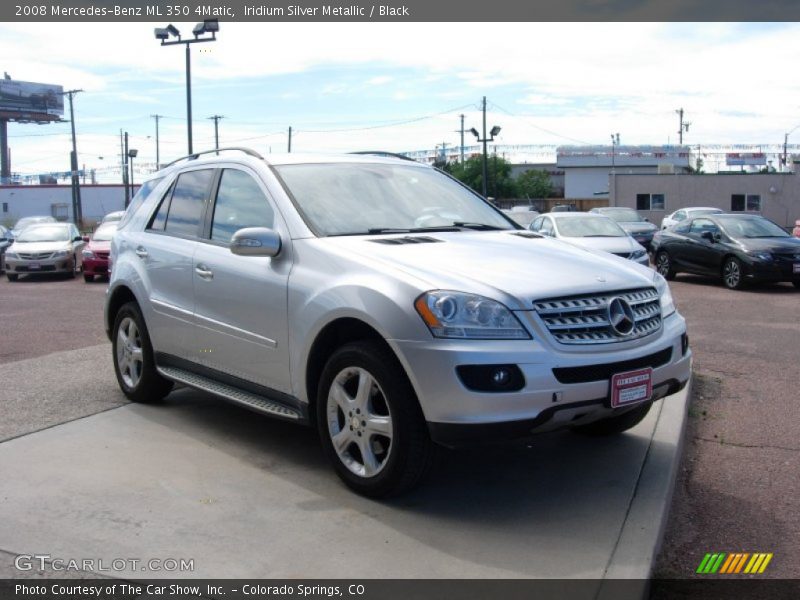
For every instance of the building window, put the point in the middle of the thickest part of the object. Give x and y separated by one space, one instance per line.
649 201
745 203
5 207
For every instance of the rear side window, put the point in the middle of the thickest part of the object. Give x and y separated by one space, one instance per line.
240 203
141 195
186 204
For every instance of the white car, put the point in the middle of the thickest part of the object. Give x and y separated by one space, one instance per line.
593 232
113 216
687 213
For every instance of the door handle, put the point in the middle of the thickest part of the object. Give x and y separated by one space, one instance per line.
204 272
141 252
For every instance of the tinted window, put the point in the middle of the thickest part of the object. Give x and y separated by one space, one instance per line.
138 199
160 218
701 225
186 205
240 203
682 227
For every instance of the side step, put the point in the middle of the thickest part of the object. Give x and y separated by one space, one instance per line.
230 393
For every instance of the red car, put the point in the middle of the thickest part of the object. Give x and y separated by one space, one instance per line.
796 230
95 253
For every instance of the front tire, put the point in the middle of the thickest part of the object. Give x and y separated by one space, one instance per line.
732 275
88 278
12 276
370 422
133 357
616 424
664 265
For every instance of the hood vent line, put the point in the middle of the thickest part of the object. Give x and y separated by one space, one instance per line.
398 241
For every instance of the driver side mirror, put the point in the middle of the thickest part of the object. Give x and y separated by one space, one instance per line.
78 238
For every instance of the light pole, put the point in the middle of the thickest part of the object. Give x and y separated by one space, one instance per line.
208 26
495 131
614 144
158 156
132 154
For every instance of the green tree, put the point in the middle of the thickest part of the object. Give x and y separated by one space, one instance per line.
499 181
534 184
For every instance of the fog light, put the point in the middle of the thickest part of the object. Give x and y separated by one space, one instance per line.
491 378
684 344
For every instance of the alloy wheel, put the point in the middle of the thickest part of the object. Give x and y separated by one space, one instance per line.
662 264
129 352
359 422
732 274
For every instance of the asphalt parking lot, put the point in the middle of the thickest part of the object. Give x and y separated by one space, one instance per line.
68 430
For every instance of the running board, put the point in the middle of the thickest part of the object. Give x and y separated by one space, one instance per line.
230 393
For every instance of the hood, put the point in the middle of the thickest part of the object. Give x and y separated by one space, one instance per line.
617 244
780 245
38 246
99 246
637 227
511 268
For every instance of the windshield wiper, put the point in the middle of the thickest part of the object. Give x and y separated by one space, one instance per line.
477 226
378 230
601 235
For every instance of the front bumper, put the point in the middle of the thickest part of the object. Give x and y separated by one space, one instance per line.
774 270
544 402
95 266
48 265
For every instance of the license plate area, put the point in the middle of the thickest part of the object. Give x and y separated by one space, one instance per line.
796 268
34 266
631 387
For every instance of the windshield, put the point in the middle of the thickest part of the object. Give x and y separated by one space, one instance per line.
749 227
45 233
705 211
356 198
588 227
623 215
28 221
104 232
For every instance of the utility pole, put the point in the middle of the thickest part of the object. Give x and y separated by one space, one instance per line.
444 151
290 139
216 119
614 144
682 126
485 159
158 157
461 131
77 212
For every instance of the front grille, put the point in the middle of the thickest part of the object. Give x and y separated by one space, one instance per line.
35 255
605 371
584 319
26 269
103 255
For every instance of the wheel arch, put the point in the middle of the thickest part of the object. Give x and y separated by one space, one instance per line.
119 297
335 334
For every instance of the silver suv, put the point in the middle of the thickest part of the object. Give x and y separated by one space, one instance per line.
384 303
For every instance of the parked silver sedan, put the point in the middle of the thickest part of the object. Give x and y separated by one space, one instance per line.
45 248
593 232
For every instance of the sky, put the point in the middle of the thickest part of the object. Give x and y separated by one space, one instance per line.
402 86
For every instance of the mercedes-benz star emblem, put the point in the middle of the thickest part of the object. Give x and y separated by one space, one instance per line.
620 316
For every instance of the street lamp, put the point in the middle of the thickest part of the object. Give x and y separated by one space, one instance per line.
164 33
614 144
132 154
495 131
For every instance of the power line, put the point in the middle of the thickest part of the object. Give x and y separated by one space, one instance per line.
508 112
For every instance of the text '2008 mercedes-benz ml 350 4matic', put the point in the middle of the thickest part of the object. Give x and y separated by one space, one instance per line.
382 302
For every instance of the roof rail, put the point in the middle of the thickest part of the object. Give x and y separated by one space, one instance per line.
193 156
384 153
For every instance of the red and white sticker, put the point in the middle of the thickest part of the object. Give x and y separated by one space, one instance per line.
631 387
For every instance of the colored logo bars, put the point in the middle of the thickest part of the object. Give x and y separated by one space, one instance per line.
734 563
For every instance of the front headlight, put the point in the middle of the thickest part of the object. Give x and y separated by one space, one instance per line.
665 296
765 256
12 255
638 254
459 315
59 253
87 253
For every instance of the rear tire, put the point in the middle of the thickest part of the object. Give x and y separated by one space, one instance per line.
74 270
134 364
616 424
796 283
664 266
88 278
12 276
370 422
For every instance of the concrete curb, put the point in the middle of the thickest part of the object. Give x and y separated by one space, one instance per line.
643 531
